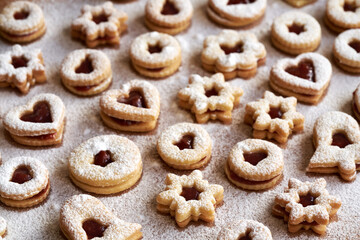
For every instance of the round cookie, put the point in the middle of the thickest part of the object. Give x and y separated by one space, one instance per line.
342 15
356 103
105 164
86 72
245 229
346 51
22 22
185 146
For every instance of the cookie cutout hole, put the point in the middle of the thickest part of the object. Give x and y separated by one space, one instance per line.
255 157
246 236
19 62
86 66
103 158
154 49
349 7
296 28
190 193
340 140
135 99
41 114
238 48
275 112
305 70
169 9
21 175
307 200
21 15
233 2
100 18
355 45
186 142
211 92
93 229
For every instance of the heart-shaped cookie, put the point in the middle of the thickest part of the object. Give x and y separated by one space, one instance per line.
86 217
133 107
305 77
38 123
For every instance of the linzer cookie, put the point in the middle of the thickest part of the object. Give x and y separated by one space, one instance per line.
168 16
22 22
105 164
155 55
244 230
274 117
356 103
210 98
86 72
305 77
185 146
296 32
38 123
189 198
346 50
99 25
235 13
255 164
342 15
135 107
24 182
299 3
2 228
85 217
20 68
337 141
234 54
306 205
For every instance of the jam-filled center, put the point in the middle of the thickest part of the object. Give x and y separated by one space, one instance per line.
100 18
349 7
154 49
232 2
93 229
40 114
340 140
246 236
296 28
19 62
186 142
169 8
211 92
21 175
355 45
103 158
190 193
255 157
135 99
20 15
86 66
238 48
307 200
305 70
275 112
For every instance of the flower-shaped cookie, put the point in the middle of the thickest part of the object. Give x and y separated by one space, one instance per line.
243 230
306 205
189 198
337 141
2 227
235 54
99 25
21 68
274 117
210 98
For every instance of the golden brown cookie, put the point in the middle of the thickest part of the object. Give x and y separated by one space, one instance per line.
342 15
299 3
356 103
244 230
346 51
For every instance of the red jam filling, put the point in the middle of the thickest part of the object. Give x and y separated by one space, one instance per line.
254 158
211 92
169 9
21 15
135 99
296 28
357 165
100 18
21 175
124 122
275 112
85 66
304 70
232 2
93 229
19 62
84 88
190 193
186 142
340 140
238 48
45 136
246 237
40 114
307 200
349 7
155 49
355 45
103 158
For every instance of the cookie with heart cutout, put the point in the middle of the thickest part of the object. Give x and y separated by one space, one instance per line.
337 141
299 3
346 51
85 217
3 227
245 230
24 182
342 15
135 107
356 103
305 77
86 72
40 122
